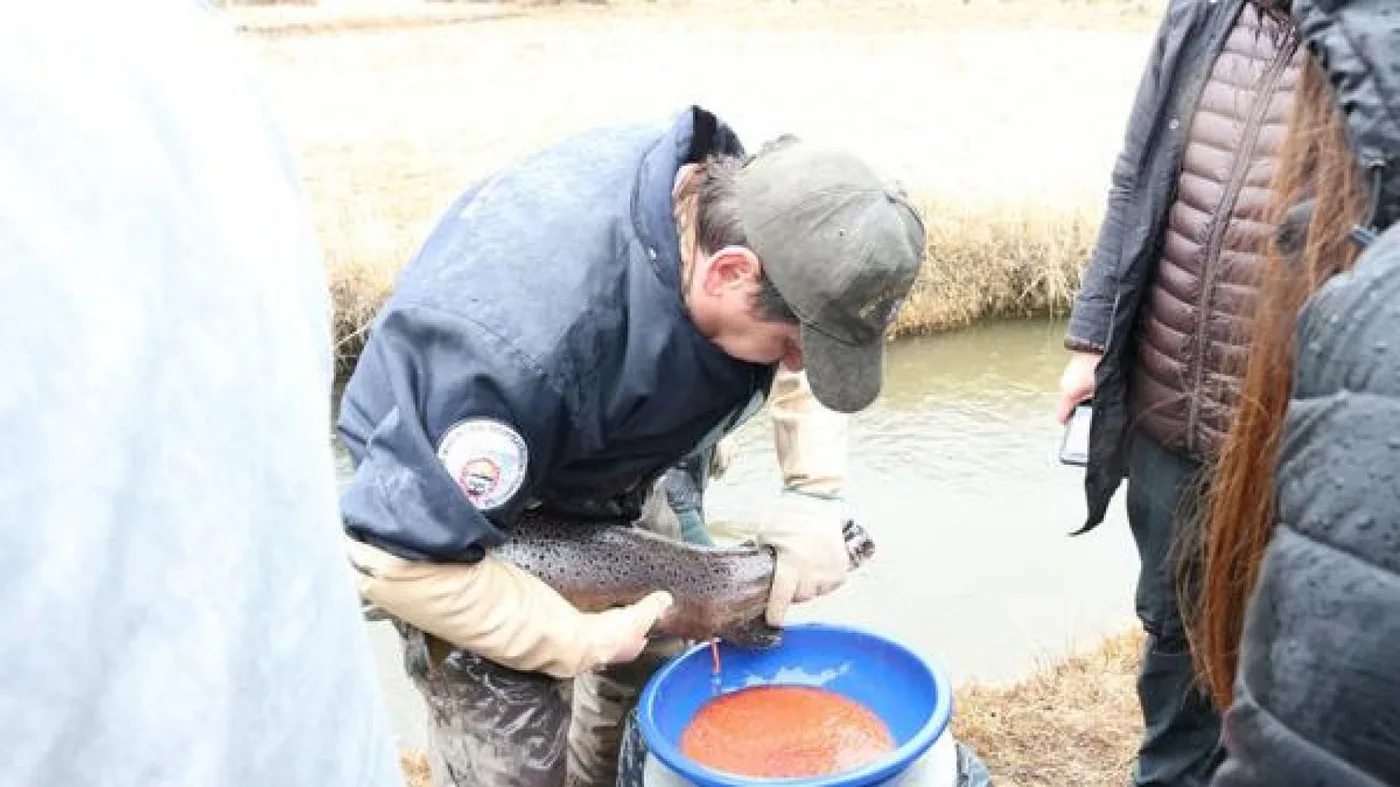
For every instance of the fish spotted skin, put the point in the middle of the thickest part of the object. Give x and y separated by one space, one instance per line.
718 591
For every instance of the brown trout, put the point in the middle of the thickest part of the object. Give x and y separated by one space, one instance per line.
718 591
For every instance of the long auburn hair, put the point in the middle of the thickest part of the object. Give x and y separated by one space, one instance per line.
1314 163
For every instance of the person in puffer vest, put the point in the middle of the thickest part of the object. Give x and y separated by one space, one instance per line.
1159 328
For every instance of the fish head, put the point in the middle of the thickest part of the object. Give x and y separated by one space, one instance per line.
753 634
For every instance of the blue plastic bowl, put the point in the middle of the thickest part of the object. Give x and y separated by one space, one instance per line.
910 694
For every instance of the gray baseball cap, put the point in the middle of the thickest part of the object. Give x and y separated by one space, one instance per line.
842 245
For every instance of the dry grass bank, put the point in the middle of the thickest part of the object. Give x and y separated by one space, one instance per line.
1011 261
992 113
1072 723
1075 722
1005 261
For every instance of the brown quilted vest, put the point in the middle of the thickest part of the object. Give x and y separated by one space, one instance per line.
1199 308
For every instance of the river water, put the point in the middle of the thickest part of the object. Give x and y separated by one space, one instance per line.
954 473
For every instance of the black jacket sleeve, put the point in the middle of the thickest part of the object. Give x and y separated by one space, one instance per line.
1317 697
1090 317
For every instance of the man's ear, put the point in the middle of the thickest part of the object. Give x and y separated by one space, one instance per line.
731 266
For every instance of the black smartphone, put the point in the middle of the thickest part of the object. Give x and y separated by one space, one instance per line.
1074 447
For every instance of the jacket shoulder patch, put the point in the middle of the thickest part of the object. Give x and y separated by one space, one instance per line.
487 459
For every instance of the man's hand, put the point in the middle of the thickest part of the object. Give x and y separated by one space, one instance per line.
502 612
805 533
1077 383
617 636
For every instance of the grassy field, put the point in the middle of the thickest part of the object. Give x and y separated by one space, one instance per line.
1002 118
1072 723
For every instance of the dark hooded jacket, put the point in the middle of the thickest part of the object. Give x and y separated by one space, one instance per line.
1317 696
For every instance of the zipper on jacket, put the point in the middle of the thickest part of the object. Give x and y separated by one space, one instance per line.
1220 223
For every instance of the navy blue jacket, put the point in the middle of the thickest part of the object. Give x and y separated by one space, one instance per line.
547 303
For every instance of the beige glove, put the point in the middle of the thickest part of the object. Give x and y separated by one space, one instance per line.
503 613
805 533
810 439
805 527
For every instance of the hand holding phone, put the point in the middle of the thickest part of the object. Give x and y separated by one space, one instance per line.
1074 446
